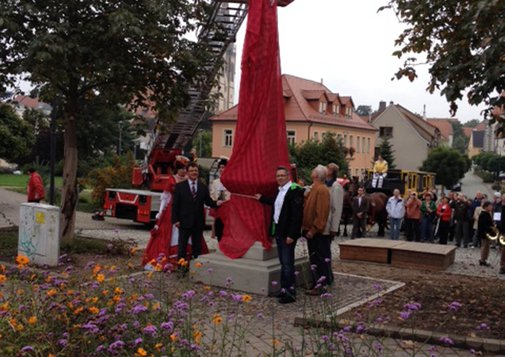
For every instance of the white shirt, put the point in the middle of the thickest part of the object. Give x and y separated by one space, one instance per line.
193 184
279 200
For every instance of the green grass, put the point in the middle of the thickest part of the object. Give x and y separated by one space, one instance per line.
10 180
9 245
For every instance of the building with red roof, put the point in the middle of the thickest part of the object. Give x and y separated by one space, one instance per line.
311 109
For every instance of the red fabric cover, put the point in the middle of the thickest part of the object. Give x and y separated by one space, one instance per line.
260 143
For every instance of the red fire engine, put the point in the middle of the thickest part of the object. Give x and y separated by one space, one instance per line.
141 205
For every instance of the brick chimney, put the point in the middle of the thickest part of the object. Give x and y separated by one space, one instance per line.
382 106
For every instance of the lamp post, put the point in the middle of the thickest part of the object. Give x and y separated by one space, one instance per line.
200 132
52 113
120 125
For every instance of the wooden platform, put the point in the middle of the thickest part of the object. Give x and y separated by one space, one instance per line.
399 253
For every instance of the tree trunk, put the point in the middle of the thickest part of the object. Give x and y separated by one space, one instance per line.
69 190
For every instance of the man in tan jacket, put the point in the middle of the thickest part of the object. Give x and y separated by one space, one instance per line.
315 216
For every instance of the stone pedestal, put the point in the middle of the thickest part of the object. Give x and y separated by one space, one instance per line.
253 273
39 227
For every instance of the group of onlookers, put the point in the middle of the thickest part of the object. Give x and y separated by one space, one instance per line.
453 217
313 213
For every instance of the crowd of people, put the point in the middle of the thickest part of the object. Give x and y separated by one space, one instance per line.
453 217
314 213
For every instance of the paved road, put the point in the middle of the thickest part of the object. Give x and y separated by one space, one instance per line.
473 184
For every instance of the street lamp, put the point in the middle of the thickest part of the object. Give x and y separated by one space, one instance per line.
200 133
52 112
120 125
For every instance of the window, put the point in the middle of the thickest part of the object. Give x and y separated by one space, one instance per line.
345 139
351 141
322 107
339 138
291 137
316 136
228 138
336 109
368 146
348 111
386 131
363 145
358 146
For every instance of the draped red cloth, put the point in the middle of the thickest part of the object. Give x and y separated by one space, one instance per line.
260 143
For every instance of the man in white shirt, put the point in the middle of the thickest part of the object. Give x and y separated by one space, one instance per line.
286 224
396 211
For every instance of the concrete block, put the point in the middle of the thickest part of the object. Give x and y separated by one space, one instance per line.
245 274
491 345
39 229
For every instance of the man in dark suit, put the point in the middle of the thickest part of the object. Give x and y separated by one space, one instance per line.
188 213
360 205
287 215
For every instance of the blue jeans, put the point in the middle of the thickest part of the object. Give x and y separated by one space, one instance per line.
286 254
427 229
396 224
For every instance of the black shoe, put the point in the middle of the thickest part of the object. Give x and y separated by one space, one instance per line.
481 263
502 271
286 299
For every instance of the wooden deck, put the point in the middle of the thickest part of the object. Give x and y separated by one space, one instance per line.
399 253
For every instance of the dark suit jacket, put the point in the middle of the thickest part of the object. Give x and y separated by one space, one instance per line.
356 208
485 224
291 216
187 211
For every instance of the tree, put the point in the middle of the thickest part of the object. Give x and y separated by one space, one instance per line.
387 153
449 165
128 52
459 139
364 110
462 42
311 153
471 123
16 135
202 143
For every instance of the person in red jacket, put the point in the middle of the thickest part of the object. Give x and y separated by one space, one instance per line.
35 189
444 212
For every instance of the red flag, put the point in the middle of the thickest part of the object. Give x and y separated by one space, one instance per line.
260 143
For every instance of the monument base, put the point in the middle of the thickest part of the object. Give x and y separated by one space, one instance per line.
253 273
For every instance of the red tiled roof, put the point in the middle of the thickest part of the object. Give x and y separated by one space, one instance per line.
27 101
467 131
298 108
481 126
444 125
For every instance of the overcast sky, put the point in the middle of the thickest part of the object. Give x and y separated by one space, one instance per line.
349 45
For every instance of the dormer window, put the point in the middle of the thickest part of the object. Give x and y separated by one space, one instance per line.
322 107
348 111
336 109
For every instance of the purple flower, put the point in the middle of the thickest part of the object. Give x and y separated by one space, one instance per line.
137 341
327 260
483 326
210 270
100 348
274 283
404 315
325 338
412 306
326 296
150 330
91 327
377 346
260 316
169 326
149 296
27 349
229 281
313 267
223 293
455 306
297 273
137 309
236 297
322 279
360 328
446 340
62 342
116 346
188 294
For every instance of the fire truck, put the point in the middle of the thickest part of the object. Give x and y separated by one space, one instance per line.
142 202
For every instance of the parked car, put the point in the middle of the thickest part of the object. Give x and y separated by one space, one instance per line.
457 187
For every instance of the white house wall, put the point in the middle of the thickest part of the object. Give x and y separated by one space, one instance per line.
410 149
